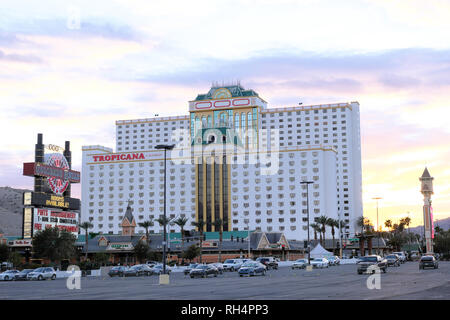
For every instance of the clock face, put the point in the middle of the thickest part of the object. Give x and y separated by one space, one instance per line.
58 186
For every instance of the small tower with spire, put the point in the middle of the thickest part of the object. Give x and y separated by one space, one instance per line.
427 190
128 223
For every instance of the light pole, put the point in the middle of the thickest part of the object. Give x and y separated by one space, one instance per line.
248 229
378 228
307 210
165 147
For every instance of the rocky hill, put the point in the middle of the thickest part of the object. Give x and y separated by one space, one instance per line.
443 223
11 211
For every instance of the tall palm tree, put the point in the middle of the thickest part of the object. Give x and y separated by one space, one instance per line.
333 223
164 221
146 224
322 220
218 225
199 225
316 228
181 222
388 224
86 226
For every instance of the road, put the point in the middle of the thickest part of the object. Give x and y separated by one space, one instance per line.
341 282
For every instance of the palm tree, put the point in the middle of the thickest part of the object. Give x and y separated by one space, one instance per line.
218 225
199 225
322 220
86 226
164 221
146 224
388 224
181 222
360 222
316 228
333 223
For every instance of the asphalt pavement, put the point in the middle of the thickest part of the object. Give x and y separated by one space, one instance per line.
335 282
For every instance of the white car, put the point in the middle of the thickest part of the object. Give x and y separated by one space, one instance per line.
42 273
232 264
8 275
300 264
401 256
319 263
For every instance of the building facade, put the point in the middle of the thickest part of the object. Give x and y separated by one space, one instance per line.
235 160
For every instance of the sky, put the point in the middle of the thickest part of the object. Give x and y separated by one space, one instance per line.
69 70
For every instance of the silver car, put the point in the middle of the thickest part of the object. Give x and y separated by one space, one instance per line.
8 275
42 273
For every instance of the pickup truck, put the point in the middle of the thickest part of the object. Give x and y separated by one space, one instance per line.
370 263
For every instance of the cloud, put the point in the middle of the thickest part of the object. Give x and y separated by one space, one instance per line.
13 57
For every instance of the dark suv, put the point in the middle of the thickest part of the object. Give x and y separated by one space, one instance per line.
269 262
369 263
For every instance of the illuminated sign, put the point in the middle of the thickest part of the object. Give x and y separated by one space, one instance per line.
116 157
53 147
50 200
43 170
20 243
63 220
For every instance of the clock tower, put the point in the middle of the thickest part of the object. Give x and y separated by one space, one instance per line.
427 190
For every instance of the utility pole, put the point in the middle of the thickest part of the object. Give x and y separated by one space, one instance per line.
307 210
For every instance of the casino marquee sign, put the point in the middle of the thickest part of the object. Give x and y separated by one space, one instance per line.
53 177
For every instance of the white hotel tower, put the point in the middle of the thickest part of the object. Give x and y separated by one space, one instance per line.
255 158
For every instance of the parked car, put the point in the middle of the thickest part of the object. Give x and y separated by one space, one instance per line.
252 268
22 275
334 260
8 275
219 266
138 270
190 267
158 269
203 271
42 273
368 263
232 264
393 260
428 262
401 255
300 264
269 262
117 271
319 263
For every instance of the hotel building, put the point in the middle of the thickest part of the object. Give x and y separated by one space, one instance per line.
236 160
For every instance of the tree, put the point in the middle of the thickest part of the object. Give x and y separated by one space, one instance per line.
4 252
333 224
388 224
364 224
86 226
15 258
101 258
181 222
322 220
199 225
442 243
218 224
316 228
192 252
54 244
141 251
146 224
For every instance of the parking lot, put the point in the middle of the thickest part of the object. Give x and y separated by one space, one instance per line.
335 282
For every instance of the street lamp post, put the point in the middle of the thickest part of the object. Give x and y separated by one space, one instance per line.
307 210
165 147
378 227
